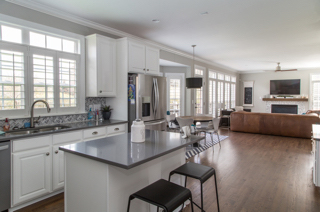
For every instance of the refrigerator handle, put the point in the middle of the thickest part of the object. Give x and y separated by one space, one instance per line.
153 101
157 96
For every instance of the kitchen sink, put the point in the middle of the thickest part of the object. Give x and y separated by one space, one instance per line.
36 130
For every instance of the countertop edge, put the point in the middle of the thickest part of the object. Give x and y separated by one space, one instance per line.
14 137
134 165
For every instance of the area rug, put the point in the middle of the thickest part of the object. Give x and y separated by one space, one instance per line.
196 150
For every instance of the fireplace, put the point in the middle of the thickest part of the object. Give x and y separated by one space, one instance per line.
292 109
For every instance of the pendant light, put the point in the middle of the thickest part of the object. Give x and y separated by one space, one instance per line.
193 82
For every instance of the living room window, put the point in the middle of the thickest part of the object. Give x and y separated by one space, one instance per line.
315 91
212 93
53 72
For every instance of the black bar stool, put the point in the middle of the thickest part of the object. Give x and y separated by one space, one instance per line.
200 172
163 194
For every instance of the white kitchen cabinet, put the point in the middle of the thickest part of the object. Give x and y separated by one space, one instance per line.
100 66
139 58
58 156
31 174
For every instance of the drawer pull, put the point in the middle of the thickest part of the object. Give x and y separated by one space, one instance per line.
47 154
56 152
116 129
95 133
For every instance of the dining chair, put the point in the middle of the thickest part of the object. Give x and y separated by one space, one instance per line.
213 128
185 122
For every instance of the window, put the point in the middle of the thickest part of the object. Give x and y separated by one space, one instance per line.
174 96
227 95
233 79
43 79
220 97
12 93
53 72
220 76
212 75
199 100
11 34
227 78
212 97
51 42
315 91
233 96
198 71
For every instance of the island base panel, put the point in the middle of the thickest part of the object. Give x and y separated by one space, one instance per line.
95 186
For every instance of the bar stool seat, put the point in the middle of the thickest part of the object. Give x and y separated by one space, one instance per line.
200 172
164 194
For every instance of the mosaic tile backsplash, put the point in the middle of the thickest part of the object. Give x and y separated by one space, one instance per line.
51 120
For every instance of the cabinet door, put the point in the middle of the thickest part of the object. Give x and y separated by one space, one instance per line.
57 168
106 67
31 174
152 60
137 57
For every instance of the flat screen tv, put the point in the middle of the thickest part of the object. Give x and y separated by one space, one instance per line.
291 86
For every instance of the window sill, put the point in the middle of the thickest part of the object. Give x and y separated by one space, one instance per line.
42 115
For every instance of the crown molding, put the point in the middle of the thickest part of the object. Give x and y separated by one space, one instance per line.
78 20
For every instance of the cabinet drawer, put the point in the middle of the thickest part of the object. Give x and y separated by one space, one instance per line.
94 133
68 137
31 143
116 129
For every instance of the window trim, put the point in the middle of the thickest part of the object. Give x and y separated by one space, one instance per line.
311 88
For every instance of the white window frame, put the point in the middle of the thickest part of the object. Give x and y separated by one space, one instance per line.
24 50
181 77
27 26
203 76
311 89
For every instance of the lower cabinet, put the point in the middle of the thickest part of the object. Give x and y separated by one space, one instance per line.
38 164
31 174
57 168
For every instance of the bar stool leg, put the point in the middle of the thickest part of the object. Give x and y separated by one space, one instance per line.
191 203
130 198
185 185
215 181
201 198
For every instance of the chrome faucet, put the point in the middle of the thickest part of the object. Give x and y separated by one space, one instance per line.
32 110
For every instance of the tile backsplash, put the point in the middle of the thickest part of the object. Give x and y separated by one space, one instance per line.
50 120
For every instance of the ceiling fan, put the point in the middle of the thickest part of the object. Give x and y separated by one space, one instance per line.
278 68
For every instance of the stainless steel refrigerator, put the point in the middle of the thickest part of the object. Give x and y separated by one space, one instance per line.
147 100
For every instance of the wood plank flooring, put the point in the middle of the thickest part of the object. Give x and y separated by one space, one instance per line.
255 173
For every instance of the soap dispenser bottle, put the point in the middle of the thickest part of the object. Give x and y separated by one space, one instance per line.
6 125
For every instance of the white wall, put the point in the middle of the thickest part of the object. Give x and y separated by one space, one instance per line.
262 85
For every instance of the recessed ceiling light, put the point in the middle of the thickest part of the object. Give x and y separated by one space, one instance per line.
155 20
204 13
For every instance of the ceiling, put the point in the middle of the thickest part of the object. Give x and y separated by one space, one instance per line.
244 35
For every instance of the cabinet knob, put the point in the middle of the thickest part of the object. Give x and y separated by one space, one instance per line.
144 69
47 154
56 152
100 91
116 129
147 69
95 133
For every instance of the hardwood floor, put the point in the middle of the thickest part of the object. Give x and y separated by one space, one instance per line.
255 173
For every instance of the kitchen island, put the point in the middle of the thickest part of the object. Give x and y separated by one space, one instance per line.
101 174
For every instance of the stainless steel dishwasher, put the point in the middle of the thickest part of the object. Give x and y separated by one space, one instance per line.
5 175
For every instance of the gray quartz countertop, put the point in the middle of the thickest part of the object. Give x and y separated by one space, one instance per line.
73 126
316 132
121 152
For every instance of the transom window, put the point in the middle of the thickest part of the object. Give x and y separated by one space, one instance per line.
220 76
227 78
198 71
212 75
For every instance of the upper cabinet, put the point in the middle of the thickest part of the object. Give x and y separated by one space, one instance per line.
138 57
100 66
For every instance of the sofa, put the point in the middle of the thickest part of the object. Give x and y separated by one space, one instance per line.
274 123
